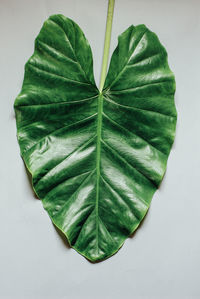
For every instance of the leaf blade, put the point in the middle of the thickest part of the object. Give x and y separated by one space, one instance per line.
96 159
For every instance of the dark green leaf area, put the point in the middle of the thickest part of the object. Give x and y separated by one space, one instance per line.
96 159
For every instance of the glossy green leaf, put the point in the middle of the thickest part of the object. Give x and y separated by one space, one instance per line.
96 159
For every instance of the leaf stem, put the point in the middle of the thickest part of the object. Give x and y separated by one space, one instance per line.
111 5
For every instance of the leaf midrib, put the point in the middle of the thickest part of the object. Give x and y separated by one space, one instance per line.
98 159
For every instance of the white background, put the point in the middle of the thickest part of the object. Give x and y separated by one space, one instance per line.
162 260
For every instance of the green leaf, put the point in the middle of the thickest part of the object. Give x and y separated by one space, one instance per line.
96 159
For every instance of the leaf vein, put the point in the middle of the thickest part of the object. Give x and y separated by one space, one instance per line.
68 156
54 50
138 87
125 65
48 194
77 190
131 133
85 222
63 102
136 108
116 194
72 46
107 230
31 65
59 129
144 59
128 163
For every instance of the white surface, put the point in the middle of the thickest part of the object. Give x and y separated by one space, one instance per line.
162 260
